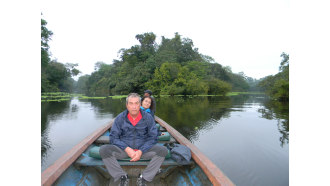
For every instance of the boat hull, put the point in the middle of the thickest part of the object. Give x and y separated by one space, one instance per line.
77 167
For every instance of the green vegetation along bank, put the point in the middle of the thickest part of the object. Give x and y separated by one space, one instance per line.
173 67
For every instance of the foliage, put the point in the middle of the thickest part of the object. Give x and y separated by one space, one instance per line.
55 96
240 93
58 77
218 87
63 96
253 84
45 37
174 67
81 84
238 82
86 97
277 86
118 96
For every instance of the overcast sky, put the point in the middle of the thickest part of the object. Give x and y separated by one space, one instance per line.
248 36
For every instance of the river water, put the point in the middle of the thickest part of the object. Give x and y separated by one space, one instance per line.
246 136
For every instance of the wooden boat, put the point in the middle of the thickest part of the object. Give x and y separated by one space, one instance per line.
77 167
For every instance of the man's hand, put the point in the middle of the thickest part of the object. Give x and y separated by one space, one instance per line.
130 152
137 156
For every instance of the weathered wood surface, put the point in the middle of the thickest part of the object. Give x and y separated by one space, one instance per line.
49 176
215 175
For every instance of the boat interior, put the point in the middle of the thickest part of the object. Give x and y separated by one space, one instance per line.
89 168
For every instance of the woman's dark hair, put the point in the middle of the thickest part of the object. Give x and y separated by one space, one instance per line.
151 105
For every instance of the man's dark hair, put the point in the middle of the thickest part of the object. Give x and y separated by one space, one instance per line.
148 91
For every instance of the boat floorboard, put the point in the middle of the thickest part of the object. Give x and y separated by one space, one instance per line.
132 181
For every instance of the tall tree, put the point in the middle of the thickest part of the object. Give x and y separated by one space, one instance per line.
277 86
45 37
45 59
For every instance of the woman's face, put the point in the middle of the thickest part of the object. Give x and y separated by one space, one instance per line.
146 103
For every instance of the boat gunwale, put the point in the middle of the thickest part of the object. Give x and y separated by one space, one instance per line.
53 172
215 175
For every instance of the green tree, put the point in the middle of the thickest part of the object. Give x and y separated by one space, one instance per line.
98 83
147 41
173 67
45 59
172 79
45 37
164 77
238 82
217 71
277 86
197 67
81 85
218 87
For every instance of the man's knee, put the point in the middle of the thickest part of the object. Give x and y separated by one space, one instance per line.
161 151
106 151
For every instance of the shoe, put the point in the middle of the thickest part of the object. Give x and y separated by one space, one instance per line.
124 180
159 171
141 181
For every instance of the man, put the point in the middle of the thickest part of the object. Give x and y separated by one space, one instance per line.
148 93
134 135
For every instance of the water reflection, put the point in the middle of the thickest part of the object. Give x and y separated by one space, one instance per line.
51 111
65 124
106 106
190 114
280 111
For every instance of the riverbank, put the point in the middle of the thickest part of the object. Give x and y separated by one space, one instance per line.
64 96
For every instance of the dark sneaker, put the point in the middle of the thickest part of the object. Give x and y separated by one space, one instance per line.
159 171
124 180
141 181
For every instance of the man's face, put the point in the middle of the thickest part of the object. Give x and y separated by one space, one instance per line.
133 106
146 94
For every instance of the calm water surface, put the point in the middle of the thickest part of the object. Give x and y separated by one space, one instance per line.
246 136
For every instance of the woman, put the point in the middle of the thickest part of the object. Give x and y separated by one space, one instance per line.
146 105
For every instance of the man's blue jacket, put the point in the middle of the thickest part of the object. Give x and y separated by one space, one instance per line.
142 136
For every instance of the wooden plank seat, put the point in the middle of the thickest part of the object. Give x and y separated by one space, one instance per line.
94 152
91 157
162 129
106 140
85 160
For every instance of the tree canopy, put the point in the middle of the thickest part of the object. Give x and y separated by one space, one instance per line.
173 67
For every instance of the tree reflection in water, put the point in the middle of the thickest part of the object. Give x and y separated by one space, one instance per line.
189 115
52 111
279 111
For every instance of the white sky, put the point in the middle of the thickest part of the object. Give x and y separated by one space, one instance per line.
248 36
